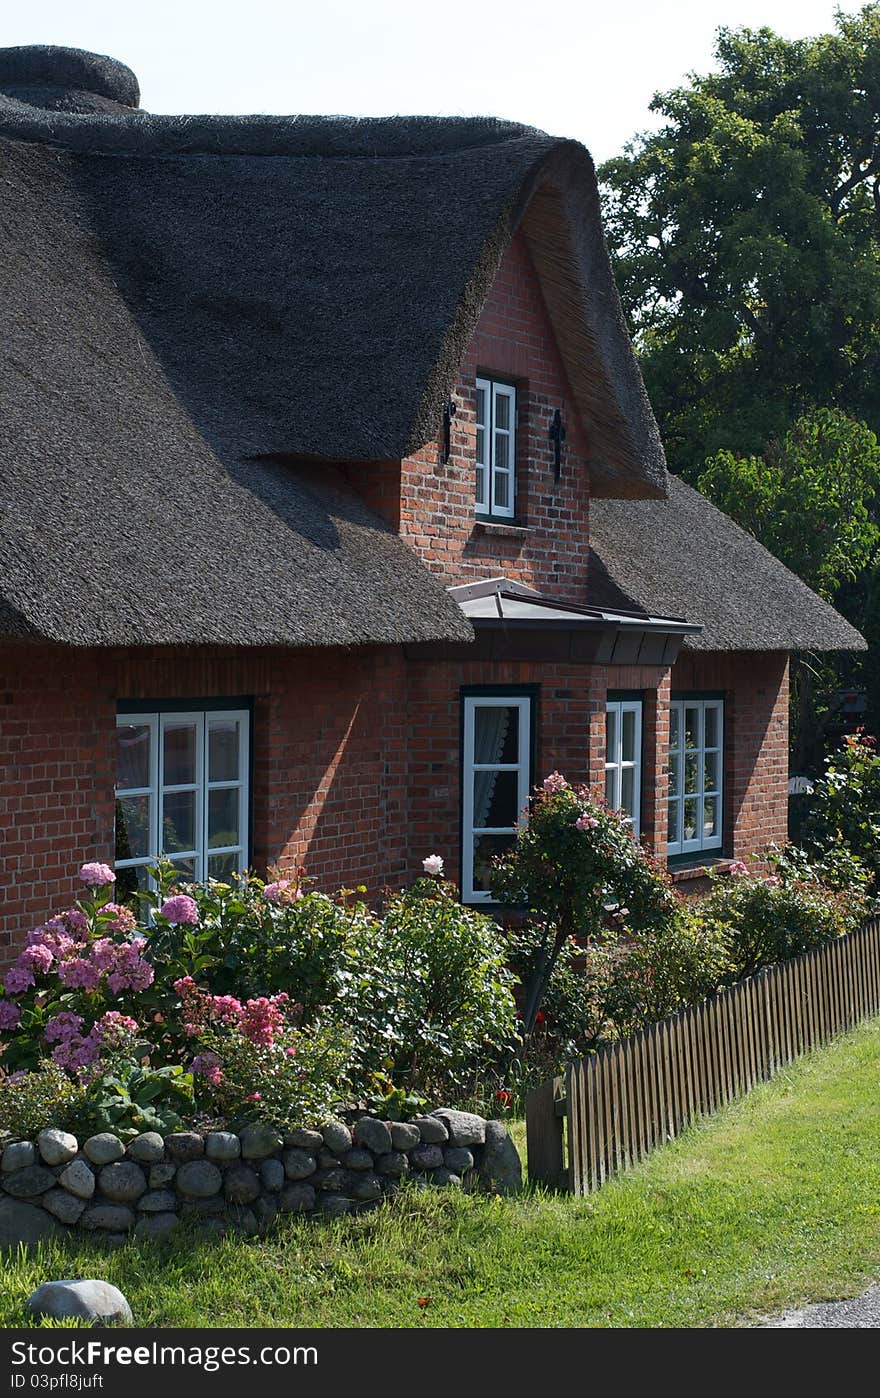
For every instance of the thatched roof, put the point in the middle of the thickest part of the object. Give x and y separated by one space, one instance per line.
683 557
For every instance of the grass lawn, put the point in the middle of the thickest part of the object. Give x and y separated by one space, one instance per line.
774 1202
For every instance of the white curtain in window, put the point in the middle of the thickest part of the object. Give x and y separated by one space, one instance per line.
490 732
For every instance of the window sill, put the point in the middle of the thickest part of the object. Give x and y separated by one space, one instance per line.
697 869
495 526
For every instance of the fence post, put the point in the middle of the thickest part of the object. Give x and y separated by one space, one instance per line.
544 1131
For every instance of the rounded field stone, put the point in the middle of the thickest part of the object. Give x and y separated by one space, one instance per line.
272 1175
338 1180
103 1148
266 1209
367 1187
334 1204
29 1182
185 1145
458 1159
203 1208
18 1156
244 1221
242 1184
373 1134
156 1225
96 1301
157 1201
394 1163
297 1198
337 1137
327 1160
222 1145
444 1178
426 1158
299 1164
27 1224
79 1179
358 1159
258 1141
63 1206
160 1175
122 1182
404 1135
115 1218
465 1128
148 1148
500 1167
432 1131
306 1140
198 1179
57 1147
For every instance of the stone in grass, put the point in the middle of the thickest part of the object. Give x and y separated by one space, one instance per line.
465 1128
358 1160
103 1148
63 1206
405 1135
22 1223
242 1184
367 1187
17 1156
297 1198
458 1159
431 1130
198 1179
29 1182
373 1134
306 1140
500 1168
122 1182
243 1221
78 1178
157 1201
115 1218
299 1164
57 1147
185 1145
258 1141
160 1175
272 1175
203 1208
156 1225
426 1157
148 1148
222 1145
96 1301
394 1163
337 1137
334 1204
266 1210
444 1178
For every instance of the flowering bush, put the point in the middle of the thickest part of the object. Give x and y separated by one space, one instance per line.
844 809
47 1096
579 872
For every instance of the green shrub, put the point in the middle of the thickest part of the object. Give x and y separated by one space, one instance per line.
844 809
685 960
128 1098
30 1101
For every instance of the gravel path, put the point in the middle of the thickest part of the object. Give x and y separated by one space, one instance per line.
862 1313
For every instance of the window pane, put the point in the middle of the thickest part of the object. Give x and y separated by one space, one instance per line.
222 817
496 734
129 881
482 400
674 774
711 721
710 818
690 819
132 827
628 735
132 755
223 749
675 728
495 798
611 735
179 821
502 411
186 869
482 496
691 727
224 866
610 774
485 849
627 790
502 452
502 492
710 771
691 773
179 765
672 823
481 445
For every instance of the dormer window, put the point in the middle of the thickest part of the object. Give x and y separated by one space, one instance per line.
496 449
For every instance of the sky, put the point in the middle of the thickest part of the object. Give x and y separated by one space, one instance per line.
583 70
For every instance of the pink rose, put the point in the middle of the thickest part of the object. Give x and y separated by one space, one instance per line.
586 822
555 783
433 865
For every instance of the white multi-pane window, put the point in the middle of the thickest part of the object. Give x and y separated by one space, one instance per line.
496 774
696 751
496 448
623 759
181 792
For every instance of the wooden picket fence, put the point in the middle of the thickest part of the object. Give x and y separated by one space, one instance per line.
632 1095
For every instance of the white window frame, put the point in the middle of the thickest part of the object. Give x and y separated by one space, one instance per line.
488 472
472 702
201 720
615 764
676 799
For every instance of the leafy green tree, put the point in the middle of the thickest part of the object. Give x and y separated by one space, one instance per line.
745 239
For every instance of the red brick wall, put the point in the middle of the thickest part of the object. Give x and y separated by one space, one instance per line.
432 504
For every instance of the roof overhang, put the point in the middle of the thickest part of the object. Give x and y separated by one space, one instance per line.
515 622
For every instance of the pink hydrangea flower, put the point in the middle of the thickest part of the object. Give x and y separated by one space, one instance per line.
80 974
113 1028
9 1015
116 918
18 979
586 822
282 891
555 783
97 875
36 958
77 1052
433 865
209 1066
74 919
180 909
54 937
62 1027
